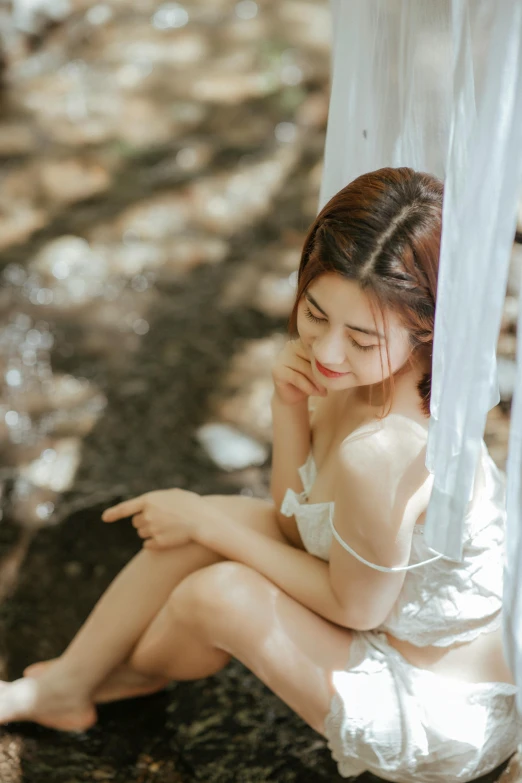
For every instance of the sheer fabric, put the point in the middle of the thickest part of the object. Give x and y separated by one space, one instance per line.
438 87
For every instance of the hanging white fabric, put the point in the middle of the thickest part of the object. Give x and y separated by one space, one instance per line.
438 86
390 102
481 189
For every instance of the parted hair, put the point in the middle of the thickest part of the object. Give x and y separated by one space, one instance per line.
383 230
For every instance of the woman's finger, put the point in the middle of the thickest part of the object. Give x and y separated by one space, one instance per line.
150 543
305 368
125 509
138 520
303 383
144 532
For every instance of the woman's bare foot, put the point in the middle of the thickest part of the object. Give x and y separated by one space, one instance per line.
122 683
50 699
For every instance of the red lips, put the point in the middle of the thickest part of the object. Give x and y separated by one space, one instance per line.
329 373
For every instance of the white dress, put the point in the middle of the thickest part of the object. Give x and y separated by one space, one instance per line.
401 722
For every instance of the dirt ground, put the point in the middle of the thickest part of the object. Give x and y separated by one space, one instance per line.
159 167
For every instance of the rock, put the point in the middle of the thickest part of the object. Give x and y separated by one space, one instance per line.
18 225
156 218
32 506
228 88
143 123
225 203
249 409
275 295
308 25
313 111
246 393
139 42
66 395
255 360
20 215
241 288
16 139
66 392
73 106
185 253
131 258
56 467
230 449
163 260
71 180
72 271
193 156
247 30
32 16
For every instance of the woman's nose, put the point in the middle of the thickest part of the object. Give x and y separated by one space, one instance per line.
329 349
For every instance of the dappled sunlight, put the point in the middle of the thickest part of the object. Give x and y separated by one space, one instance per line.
155 146
244 398
161 164
11 754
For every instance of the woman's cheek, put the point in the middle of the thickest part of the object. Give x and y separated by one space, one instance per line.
303 330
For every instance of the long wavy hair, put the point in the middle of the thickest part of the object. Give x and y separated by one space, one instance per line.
383 230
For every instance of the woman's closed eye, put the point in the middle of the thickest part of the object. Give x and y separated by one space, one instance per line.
316 320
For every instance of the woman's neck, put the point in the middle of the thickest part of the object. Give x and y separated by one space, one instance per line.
405 392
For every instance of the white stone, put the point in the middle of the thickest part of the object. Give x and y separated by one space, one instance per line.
56 474
229 448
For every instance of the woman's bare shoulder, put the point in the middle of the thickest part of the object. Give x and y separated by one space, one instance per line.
396 442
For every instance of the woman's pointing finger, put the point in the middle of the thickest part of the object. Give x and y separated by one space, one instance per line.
122 510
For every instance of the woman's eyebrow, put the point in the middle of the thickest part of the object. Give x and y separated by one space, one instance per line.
355 328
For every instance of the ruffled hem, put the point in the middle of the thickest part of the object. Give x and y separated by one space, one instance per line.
347 737
436 638
347 766
292 503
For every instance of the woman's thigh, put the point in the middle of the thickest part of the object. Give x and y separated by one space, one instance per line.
294 651
258 514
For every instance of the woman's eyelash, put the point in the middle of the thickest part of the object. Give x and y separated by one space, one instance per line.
316 320
313 317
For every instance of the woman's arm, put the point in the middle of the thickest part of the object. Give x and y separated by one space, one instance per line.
301 575
291 444
376 506
293 385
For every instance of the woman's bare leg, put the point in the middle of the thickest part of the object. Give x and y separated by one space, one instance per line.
118 620
229 610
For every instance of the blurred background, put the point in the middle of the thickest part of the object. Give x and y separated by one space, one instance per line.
160 165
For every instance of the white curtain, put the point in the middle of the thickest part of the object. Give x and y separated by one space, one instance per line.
437 85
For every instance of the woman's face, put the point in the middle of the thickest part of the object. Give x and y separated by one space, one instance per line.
335 323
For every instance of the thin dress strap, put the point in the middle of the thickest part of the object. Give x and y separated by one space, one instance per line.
372 565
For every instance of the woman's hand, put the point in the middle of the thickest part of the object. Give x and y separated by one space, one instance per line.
165 518
293 376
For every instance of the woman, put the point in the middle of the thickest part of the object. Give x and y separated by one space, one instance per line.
329 593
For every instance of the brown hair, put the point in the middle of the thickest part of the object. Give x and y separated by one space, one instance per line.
383 230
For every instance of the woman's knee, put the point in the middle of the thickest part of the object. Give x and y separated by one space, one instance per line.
217 594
